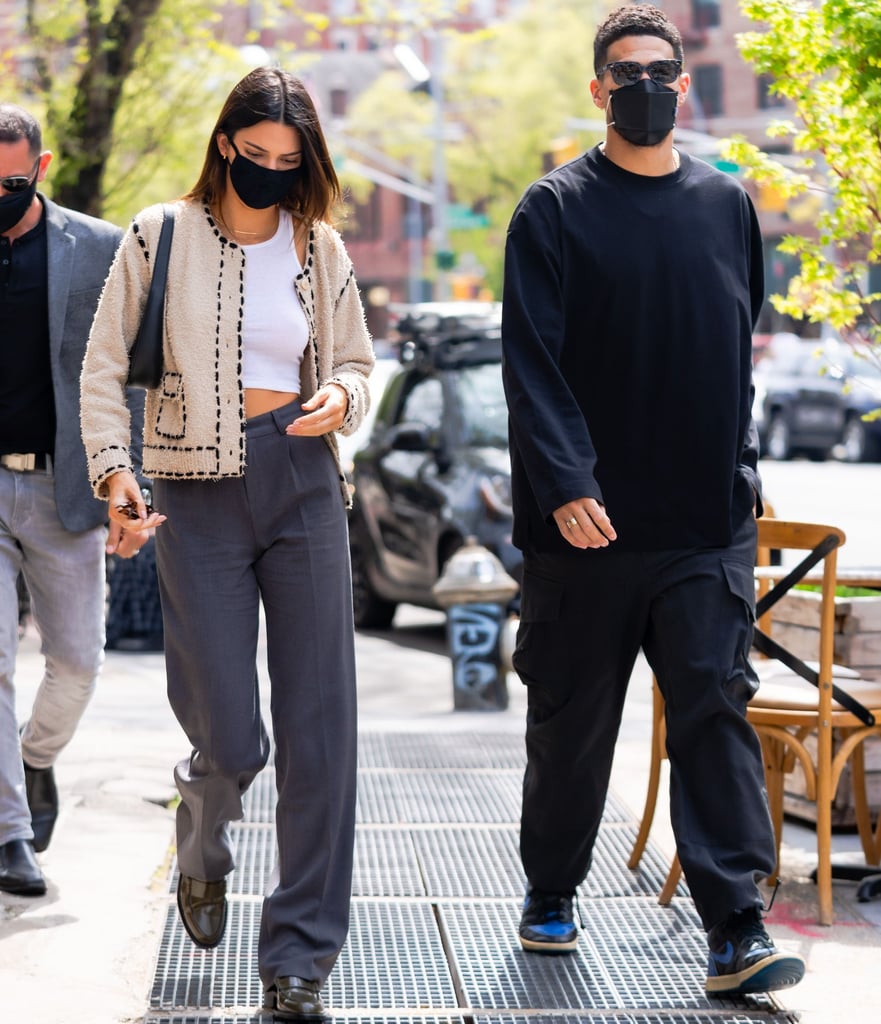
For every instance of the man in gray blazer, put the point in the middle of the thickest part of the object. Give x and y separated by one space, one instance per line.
53 263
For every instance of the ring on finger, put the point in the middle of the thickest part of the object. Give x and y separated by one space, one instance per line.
571 521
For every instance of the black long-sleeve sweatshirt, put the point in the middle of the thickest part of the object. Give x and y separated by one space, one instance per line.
628 309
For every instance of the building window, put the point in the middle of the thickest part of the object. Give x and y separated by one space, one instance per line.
705 13
706 90
767 99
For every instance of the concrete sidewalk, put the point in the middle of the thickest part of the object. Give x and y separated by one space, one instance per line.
86 953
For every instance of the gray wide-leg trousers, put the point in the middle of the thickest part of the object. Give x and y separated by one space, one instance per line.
277 535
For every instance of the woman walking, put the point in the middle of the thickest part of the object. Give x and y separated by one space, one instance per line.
266 355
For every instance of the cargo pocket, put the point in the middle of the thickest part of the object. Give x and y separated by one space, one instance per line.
541 601
743 682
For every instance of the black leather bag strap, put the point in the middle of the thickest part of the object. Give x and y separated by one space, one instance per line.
145 357
163 249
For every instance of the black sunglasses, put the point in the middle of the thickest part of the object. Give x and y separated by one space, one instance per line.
19 182
130 510
628 72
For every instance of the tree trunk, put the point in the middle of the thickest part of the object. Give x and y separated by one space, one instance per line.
85 146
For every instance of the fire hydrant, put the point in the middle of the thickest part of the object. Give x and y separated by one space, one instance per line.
474 589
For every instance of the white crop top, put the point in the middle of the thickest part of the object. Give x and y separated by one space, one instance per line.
274 329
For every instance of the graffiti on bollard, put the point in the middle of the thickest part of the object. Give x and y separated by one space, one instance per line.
475 589
474 632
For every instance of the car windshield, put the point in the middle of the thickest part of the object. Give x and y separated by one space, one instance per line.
484 412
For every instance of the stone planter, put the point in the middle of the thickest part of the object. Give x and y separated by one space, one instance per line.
796 621
795 624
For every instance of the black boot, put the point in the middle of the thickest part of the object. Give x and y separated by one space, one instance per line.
19 871
43 802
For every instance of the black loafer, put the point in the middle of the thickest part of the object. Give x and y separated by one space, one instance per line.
202 907
42 797
19 872
293 998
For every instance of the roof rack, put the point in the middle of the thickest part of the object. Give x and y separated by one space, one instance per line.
430 334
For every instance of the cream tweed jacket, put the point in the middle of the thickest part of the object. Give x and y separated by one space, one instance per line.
194 421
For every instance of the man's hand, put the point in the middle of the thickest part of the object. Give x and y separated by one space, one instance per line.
584 524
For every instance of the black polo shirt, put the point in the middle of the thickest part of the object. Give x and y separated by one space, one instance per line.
27 403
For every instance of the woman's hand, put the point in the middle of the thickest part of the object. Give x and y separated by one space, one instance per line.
326 410
131 524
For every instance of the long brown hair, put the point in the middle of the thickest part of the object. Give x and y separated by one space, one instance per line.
270 94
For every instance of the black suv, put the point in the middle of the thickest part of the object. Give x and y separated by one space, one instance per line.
797 408
811 397
436 468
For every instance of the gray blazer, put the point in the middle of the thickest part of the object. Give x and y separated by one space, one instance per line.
80 251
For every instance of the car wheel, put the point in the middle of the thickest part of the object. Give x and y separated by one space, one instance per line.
779 440
854 442
371 611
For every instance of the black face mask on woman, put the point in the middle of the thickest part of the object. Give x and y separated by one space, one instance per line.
15 205
256 186
644 113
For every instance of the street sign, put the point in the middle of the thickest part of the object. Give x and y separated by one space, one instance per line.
461 217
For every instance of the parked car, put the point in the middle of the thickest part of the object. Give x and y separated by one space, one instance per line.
797 408
858 373
383 368
436 468
812 396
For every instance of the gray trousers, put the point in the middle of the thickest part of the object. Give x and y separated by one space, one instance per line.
64 573
278 536
584 617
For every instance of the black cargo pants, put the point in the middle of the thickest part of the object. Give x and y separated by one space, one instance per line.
584 618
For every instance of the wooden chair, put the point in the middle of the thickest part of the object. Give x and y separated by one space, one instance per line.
800 711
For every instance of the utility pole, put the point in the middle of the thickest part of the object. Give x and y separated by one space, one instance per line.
442 255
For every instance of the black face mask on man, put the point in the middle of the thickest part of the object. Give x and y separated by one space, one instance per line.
15 205
256 186
644 113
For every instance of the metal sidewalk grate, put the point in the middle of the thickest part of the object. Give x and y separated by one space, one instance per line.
439 796
437 889
441 750
386 863
223 978
338 1018
727 1017
631 953
502 1018
393 959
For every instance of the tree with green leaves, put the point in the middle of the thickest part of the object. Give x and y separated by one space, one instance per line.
128 90
824 57
510 90
119 86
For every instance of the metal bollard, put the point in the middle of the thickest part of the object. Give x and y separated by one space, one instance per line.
474 589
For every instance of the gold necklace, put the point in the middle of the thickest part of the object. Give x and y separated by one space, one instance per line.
235 233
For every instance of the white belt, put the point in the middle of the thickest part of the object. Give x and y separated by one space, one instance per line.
31 462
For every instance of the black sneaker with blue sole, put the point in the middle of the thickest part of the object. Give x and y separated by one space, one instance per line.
547 924
743 959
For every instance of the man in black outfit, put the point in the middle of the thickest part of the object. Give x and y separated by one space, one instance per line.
633 279
53 533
